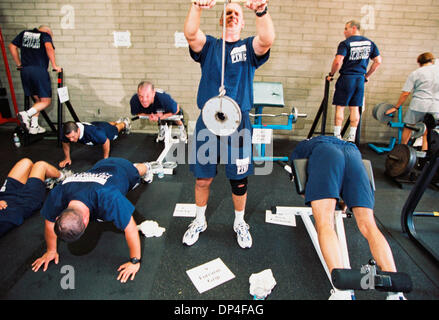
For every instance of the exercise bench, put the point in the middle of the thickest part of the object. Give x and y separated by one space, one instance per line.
299 176
345 278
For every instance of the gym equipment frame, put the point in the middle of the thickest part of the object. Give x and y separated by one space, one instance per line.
270 94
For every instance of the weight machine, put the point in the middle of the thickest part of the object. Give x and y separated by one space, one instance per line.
323 112
269 94
379 113
428 174
161 167
56 129
368 277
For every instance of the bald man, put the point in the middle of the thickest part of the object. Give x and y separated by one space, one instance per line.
36 49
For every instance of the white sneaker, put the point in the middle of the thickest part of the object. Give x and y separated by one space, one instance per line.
149 175
338 136
341 295
193 232
396 296
24 118
243 235
65 174
127 123
52 182
183 135
350 138
161 135
36 130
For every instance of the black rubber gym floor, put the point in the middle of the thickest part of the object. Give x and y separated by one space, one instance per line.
287 251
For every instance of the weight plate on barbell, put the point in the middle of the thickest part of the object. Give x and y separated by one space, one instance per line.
379 112
221 115
421 130
400 160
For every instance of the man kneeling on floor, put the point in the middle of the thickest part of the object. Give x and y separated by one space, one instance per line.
335 169
23 191
94 133
98 193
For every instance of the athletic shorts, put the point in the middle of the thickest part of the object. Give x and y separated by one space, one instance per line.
336 170
349 91
413 117
110 130
36 82
235 151
23 200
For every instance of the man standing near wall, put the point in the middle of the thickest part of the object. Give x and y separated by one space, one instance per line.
352 59
36 49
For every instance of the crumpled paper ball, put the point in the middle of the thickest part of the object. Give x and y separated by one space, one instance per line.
261 284
151 229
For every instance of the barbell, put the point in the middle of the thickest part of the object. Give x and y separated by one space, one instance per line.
400 160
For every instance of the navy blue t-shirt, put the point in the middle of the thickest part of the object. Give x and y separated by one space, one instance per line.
163 103
357 50
241 63
32 47
102 189
95 133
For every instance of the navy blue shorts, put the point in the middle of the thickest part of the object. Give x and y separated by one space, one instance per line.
110 130
235 151
336 170
36 82
23 200
349 91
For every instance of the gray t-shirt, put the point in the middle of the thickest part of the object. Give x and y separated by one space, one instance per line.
424 85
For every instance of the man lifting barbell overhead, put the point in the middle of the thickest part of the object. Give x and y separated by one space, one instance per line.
94 133
227 69
423 83
352 59
156 105
335 170
99 194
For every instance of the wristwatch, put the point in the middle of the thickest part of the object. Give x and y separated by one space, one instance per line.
135 260
262 13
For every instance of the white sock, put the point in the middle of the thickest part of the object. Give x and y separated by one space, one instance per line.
31 112
337 130
61 176
200 213
148 167
353 131
34 122
239 217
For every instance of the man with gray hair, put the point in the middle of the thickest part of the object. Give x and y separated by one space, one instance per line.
352 60
36 49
